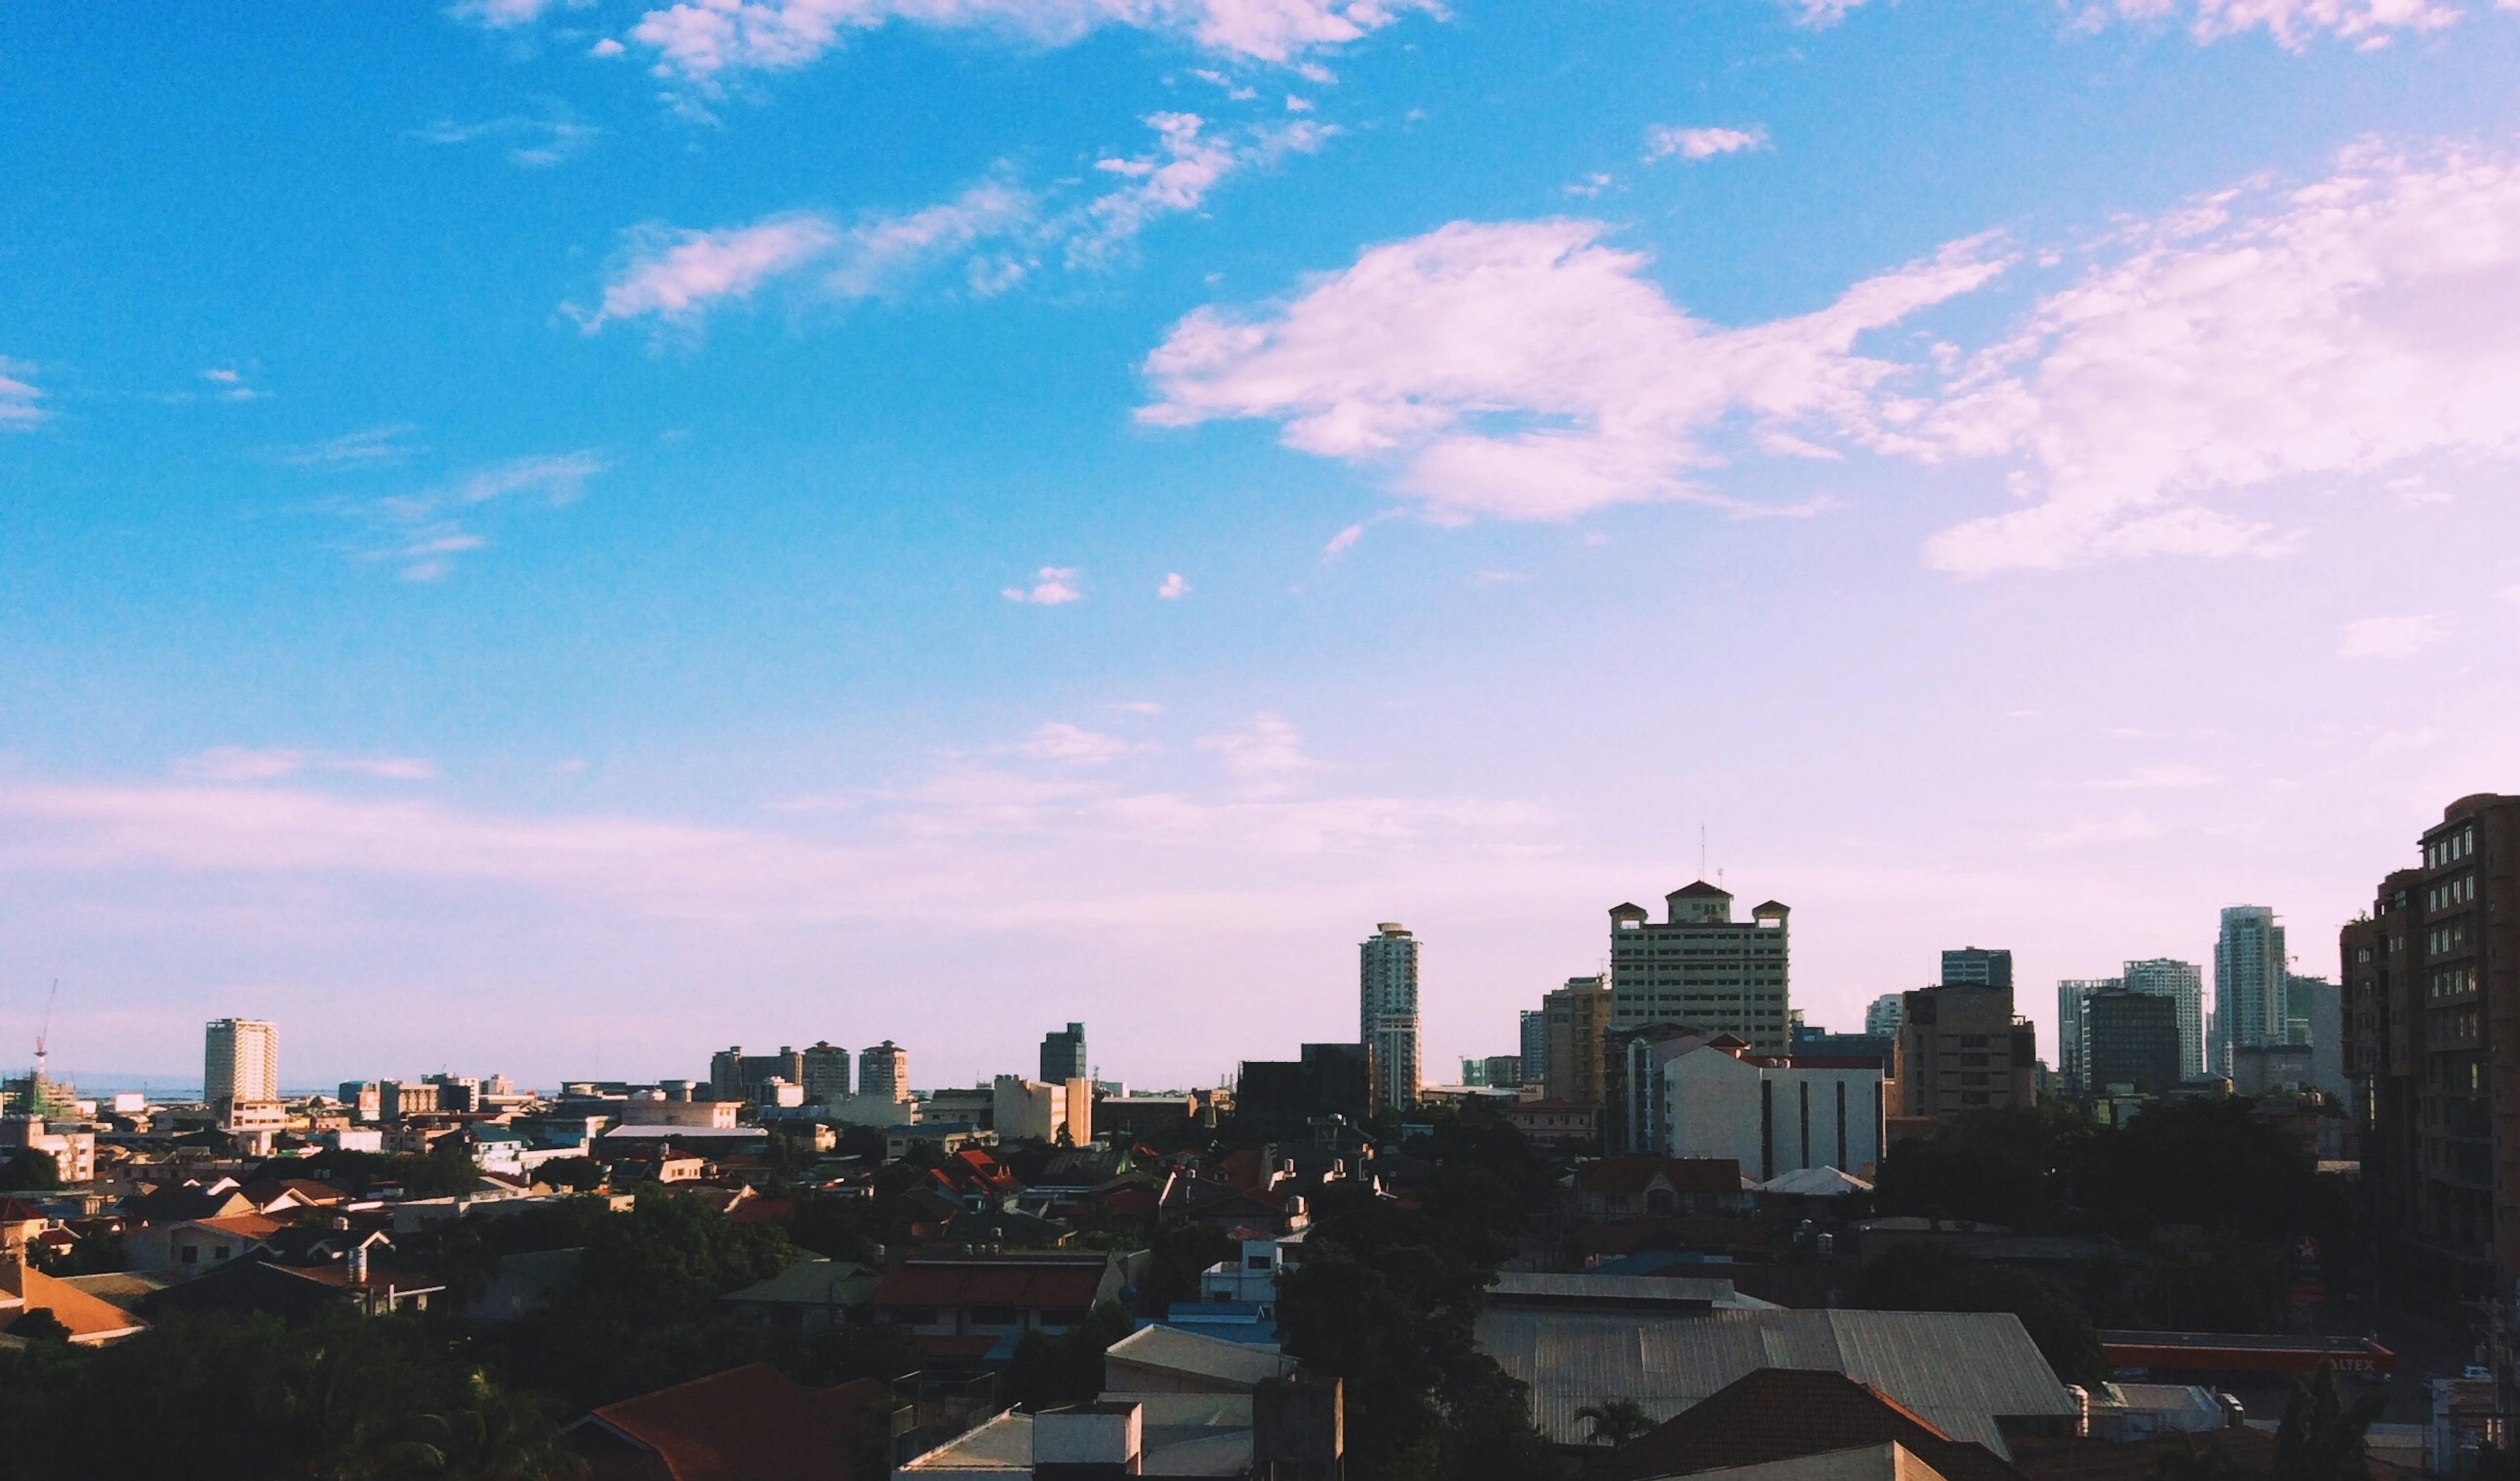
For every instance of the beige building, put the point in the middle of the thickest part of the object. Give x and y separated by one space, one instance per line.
884 1072
1701 968
1387 1012
1962 1050
72 1148
1575 1017
1032 1111
240 1062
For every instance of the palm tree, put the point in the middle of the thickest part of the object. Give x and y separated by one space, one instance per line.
1616 1421
2322 1436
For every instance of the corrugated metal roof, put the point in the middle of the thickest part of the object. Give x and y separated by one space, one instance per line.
1532 1287
1171 1350
1959 1371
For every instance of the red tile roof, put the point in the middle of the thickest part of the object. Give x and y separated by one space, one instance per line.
19 1211
1033 1284
1777 1413
750 1423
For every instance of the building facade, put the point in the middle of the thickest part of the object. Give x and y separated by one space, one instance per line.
2251 1003
240 1061
2133 1041
1962 1050
1978 967
1575 1017
1284 1096
884 1072
1062 1056
826 1073
2073 1036
1387 1012
1773 1116
1535 1046
1881 1019
1703 968
2431 1028
2182 983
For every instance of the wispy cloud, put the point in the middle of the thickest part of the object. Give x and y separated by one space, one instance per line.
500 14
1339 544
1663 141
234 763
2290 23
1266 757
229 384
1053 586
533 141
421 535
365 448
1174 587
673 275
1073 746
19 397
2392 637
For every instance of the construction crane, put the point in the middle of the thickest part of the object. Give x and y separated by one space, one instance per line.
45 1033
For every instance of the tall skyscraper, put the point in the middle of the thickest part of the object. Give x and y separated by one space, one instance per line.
1977 967
1577 1015
1387 1012
2073 1030
1535 1046
1881 1019
1703 968
240 1061
826 1073
2431 1021
883 1071
2250 1001
2184 983
1062 1056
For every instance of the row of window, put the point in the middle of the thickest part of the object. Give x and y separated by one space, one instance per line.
2447 938
2458 891
2451 981
2449 848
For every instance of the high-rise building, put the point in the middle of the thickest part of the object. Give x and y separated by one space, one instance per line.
1703 968
734 1076
1977 967
456 1093
1499 1071
1062 1056
2250 1003
1962 1050
2073 1030
2133 1042
1577 1015
2431 1018
2318 1017
1283 1097
240 1062
1387 1012
884 1072
1881 1019
2182 983
1535 1046
826 1073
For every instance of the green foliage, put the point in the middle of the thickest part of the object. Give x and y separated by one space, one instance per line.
1924 1280
1175 1259
37 1323
1066 1368
2322 1436
583 1174
224 1398
93 1254
840 1229
30 1169
446 1171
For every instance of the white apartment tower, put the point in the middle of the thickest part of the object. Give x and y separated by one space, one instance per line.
2073 1029
240 1061
2251 1003
1703 968
1387 1012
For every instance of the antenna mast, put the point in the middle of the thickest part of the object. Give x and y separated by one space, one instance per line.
44 1034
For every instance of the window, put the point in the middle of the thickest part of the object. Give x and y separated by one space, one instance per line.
995 1316
190 1255
1255 1262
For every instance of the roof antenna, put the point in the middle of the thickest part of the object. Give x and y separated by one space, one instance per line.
41 1036
1702 850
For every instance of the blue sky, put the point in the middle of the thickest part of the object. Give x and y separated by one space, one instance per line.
551 537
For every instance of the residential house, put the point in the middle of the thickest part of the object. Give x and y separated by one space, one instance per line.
970 1305
190 1247
751 1422
1658 1187
1779 1415
1165 1360
809 1295
1251 1276
92 1322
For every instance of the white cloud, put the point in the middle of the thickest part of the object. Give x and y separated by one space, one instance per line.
881 250
1073 745
422 533
2292 24
499 15
1526 371
675 274
2394 637
360 449
1663 141
534 141
1174 587
236 763
1053 586
1266 757
1340 543
1139 707
2248 338
2178 776
608 47
1590 185
18 396
704 43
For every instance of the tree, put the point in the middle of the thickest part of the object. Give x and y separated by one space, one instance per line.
2186 1460
30 1169
38 1325
2322 1436
1614 1422
1066 1368
581 1175
1929 1280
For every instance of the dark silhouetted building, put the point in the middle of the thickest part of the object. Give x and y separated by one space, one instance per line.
2133 1042
1062 1056
1282 1097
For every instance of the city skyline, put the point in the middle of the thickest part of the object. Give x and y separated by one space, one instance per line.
658 538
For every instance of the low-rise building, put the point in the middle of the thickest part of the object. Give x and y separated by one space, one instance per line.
966 1305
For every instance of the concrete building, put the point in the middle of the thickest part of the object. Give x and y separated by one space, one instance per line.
1062 1056
2250 1003
363 1099
456 1093
734 1076
1387 1012
1977 967
1502 1071
1034 1110
1771 1115
1535 1046
1635 1085
1575 1017
2132 1040
884 1072
1881 1019
240 1062
2431 1018
1960 1050
72 1148
1701 967
826 1073
2182 983
2073 1036
1283 1097
2319 1025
